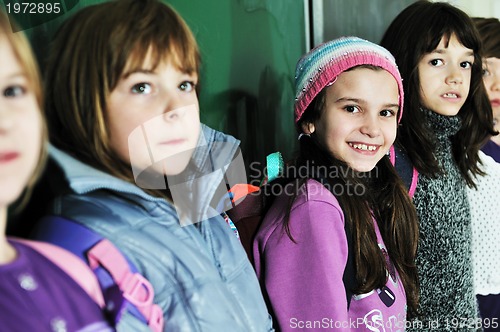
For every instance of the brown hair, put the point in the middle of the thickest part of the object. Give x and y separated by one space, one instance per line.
89 55
489 31
24 54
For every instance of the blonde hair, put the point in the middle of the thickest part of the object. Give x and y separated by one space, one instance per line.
24 54
89 55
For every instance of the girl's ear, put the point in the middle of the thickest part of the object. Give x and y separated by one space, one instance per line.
308 128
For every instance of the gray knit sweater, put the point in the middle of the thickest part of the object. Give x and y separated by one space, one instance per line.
444 264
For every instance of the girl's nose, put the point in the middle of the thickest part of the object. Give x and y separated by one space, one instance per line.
370 126
6 122
175 114
173 110
454 77
495 83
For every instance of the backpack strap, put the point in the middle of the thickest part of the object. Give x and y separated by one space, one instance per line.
404 168
123 288
136 289
71 265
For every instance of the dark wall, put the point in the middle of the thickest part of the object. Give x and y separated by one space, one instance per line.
367 19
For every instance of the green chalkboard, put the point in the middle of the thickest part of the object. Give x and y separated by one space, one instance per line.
249 49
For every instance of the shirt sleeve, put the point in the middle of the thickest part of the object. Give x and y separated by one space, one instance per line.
303 279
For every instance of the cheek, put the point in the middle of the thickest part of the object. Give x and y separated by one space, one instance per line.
119 141
390 133
125 133
194 126
30 126
332 138
488 86
30 134
468 80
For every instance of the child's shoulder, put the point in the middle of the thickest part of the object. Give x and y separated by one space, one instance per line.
67 262
314 190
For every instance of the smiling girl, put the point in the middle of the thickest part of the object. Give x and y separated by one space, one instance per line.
339 249
447 119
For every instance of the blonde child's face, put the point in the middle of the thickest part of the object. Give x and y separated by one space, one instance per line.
153 118
445 76
359 121
491 79
20 126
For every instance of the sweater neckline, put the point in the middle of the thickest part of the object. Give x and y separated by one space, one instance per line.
442 126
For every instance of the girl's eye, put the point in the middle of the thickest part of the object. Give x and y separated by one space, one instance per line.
436 62
187 86
466 64
142 88
14 91
486 72
352 109
387 113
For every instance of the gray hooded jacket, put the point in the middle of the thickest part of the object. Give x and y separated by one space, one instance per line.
201 276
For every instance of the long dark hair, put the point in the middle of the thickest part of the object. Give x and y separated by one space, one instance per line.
416 31
385 196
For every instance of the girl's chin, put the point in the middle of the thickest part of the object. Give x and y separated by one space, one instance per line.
363 168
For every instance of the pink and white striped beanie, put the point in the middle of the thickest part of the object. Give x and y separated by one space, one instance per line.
321 66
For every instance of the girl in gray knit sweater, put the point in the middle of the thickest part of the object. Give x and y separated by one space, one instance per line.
448 119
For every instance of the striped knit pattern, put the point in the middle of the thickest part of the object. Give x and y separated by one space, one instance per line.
323 64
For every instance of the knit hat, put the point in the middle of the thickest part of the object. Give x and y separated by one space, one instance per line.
321 66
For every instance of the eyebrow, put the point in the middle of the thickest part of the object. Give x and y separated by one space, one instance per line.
362 101
138 71
17 74
443 51
345 99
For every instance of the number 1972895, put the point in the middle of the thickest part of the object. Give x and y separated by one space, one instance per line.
33 8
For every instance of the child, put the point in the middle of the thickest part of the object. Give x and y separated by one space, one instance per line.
336 249
489 30
484 199
122 104
447 119
38 291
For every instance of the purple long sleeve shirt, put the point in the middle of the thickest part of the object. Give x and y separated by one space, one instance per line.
302 281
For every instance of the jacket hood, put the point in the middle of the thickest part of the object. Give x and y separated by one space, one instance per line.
199 184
